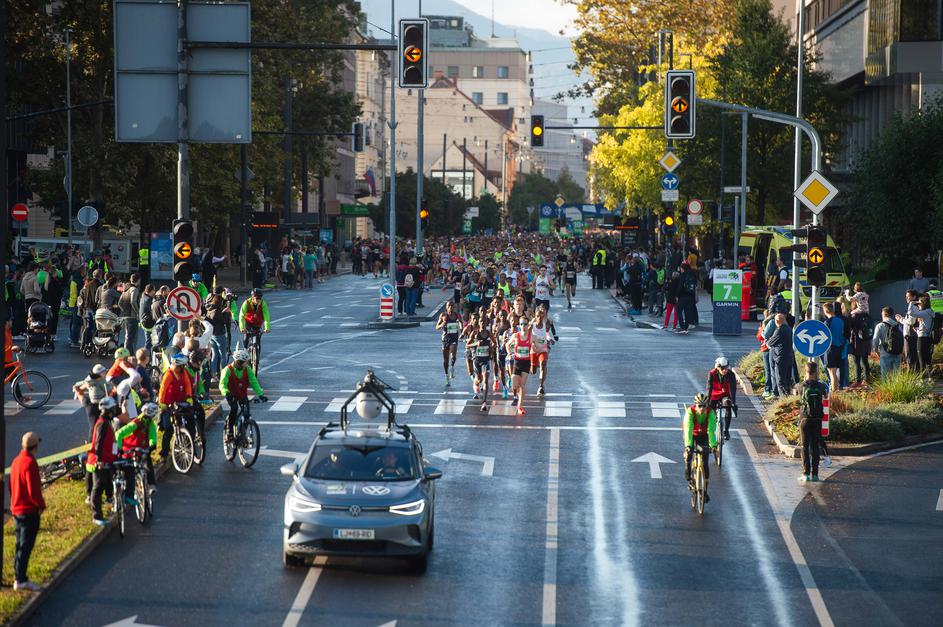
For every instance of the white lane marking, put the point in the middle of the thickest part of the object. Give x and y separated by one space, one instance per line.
552 542
304 593
311 325
654 461
610 409
606 329
605 395
283 318
665 410
434 425
568 339
305 312
558 408
273 452
782 521
301 390
58 376
281 306
939 502
450 406
487 463
503 408
403 405
63 408
664 395
571 329
288 403
321 368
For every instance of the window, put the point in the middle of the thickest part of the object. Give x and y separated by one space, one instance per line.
478 71
361 462
502 97
477 97
502 71
453 71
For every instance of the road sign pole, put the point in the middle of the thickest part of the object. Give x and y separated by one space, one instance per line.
243 216
420 123
392 125
68 117
183 123
736 228
797 156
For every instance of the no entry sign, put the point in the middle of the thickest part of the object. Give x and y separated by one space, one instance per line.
20 212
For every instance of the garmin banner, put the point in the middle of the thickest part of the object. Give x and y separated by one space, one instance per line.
727 294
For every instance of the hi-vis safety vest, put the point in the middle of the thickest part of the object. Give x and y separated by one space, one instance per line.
599 259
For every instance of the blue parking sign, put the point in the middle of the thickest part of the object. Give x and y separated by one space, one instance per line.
812 338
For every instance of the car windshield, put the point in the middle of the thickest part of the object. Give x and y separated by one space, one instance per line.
352 462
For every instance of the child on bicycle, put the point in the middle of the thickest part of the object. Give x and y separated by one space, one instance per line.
234 383
699 427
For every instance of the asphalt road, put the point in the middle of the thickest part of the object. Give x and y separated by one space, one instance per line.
570 528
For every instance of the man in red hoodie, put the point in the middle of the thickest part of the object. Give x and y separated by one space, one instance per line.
26 504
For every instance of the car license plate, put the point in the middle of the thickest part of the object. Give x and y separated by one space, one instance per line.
353 534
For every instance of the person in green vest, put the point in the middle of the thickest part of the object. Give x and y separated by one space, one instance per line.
196 282
599 268
936 299
144 264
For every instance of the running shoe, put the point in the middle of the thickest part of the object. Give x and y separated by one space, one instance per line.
521 411
504 393
540 391
477 396
484 407
448 382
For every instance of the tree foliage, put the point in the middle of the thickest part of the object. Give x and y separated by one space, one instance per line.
446 208
534 189
896 205
137 182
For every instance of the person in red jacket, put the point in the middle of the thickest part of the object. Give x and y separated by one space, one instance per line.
26 504
101 455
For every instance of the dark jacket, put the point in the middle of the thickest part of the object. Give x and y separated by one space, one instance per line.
671 291
780 343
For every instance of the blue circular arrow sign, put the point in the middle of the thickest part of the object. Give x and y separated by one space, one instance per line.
812 338
386 290
670 181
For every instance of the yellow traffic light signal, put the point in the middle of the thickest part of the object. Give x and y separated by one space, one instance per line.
423 214
537 130
669 221
413 41
680 99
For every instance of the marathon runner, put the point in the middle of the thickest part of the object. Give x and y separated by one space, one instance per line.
450 323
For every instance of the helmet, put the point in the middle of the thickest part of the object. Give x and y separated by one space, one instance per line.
108 405
721 362
122 353
257 293
149 409
701 400
179 359
196 276
240 355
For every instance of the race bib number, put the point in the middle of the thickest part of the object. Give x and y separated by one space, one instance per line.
482 351
522 352
489 293
451 328
570 274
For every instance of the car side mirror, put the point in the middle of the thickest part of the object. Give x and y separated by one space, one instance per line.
431 474
290 470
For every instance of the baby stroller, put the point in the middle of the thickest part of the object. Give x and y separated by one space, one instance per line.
104 341
39 336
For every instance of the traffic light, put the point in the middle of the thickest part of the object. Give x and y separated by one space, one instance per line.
537 130
668 225
413 44
183 251
424 216
358 136
680 100
816 256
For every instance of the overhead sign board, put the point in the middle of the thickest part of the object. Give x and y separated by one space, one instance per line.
816 192
219 90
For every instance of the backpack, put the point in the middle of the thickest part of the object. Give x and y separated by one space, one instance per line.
813 395
865 329
660 276
160 334
937 333
688 283
409 280
893 343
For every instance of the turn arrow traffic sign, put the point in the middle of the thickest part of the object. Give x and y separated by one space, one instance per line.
812 338
654 460
412 54
816 255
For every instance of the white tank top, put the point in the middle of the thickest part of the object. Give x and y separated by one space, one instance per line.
539 337
541 289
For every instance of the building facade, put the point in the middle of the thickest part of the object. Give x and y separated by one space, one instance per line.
563 149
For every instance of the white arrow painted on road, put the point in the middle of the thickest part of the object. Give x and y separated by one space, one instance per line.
812 340
487 468
392 623
271 452
939 502
654 460
128 622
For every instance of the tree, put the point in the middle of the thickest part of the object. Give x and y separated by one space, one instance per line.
446 208
535 189
618 39
896 205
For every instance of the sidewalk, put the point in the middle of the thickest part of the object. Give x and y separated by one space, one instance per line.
229 277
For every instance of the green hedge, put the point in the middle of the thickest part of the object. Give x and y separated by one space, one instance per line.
881 423
868 425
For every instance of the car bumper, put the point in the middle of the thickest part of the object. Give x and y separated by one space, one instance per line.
394 535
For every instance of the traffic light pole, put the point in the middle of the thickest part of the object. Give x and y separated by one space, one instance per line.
392 125
420 124
183 122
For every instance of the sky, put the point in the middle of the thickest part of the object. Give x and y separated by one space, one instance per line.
548 15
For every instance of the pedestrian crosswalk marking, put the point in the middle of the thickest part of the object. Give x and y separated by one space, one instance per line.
63 408
610 409
558 408
314 324
450 406
288 403
571 329
568 339
350 324
403 405
665 410
606 329
503 408
336 404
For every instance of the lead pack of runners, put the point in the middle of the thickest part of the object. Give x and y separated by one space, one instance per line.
499 311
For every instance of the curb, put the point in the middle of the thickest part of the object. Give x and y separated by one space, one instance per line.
392 325
85 549
782 443
640 324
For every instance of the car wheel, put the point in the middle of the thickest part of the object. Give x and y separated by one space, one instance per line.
292 561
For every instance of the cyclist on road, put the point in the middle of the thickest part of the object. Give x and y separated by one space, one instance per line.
140 433
234 385
699 427
722 384
175 387
253 317
101 455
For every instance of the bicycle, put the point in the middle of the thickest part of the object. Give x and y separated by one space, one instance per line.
31 388
142 485
247 441
70 466
182 451
117 471
698 478
725 413
254 347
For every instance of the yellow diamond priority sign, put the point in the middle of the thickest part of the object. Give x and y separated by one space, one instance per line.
816 192
670 161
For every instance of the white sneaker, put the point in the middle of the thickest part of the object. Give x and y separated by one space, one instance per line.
29 586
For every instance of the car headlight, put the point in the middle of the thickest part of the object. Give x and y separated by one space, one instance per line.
409 509
302 506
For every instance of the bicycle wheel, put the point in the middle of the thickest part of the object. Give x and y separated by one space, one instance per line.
199 446
249 443
254 356
229 446
701 488
140 494
119 508
182 451
31 389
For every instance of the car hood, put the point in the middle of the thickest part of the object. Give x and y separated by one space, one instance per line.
364 493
